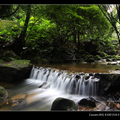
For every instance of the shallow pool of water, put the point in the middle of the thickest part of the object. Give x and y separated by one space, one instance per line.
37 99
83 67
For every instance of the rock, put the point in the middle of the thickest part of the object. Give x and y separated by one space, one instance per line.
100 107
2 91
102 54
108 59
108 83
77 77
104 60
91 74
63 104
87 77
112 63
118 62
3 96
112 105
44 85
107 108
117 106
15 70
117 69
90 60
87 102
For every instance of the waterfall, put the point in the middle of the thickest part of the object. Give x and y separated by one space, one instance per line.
80 84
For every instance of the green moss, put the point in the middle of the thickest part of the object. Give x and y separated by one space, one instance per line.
17 63
115 57
97 57
63 104
2 91
1 61
89 56
8 59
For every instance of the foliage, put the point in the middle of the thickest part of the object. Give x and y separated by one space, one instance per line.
53 28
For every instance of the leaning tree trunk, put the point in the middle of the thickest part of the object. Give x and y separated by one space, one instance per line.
20 42
111 18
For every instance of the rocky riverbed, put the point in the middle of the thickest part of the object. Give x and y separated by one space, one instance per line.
27 97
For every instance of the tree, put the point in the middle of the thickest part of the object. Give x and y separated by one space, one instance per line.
20 41
78 20
110 17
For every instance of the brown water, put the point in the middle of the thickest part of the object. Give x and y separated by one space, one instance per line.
83 67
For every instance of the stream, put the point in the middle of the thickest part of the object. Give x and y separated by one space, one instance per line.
95 67
31 95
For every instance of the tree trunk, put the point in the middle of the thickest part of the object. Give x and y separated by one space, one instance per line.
116 32
78 40
75 37
20 42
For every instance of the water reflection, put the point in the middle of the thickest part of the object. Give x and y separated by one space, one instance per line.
83 67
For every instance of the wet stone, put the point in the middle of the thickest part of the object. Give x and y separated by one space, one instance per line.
91 74
63 104
86 102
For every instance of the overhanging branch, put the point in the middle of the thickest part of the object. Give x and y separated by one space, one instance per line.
11 13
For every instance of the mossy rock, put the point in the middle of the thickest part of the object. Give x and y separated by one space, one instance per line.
2 91
89 56
108 59
118 58
15 70
17 64
63 104
112 63
1 61
97 57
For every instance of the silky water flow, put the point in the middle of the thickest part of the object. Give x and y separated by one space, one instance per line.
80 84
46 84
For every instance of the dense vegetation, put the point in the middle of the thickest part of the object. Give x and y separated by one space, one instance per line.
43 33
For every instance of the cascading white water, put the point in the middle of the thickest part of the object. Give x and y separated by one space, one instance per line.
68 83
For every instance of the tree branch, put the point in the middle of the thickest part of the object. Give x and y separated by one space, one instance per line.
11 13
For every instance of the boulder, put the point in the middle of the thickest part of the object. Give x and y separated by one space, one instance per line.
63 104
3 96
112 63
87 102
108 83
2 91
108 59
90 60
15 70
